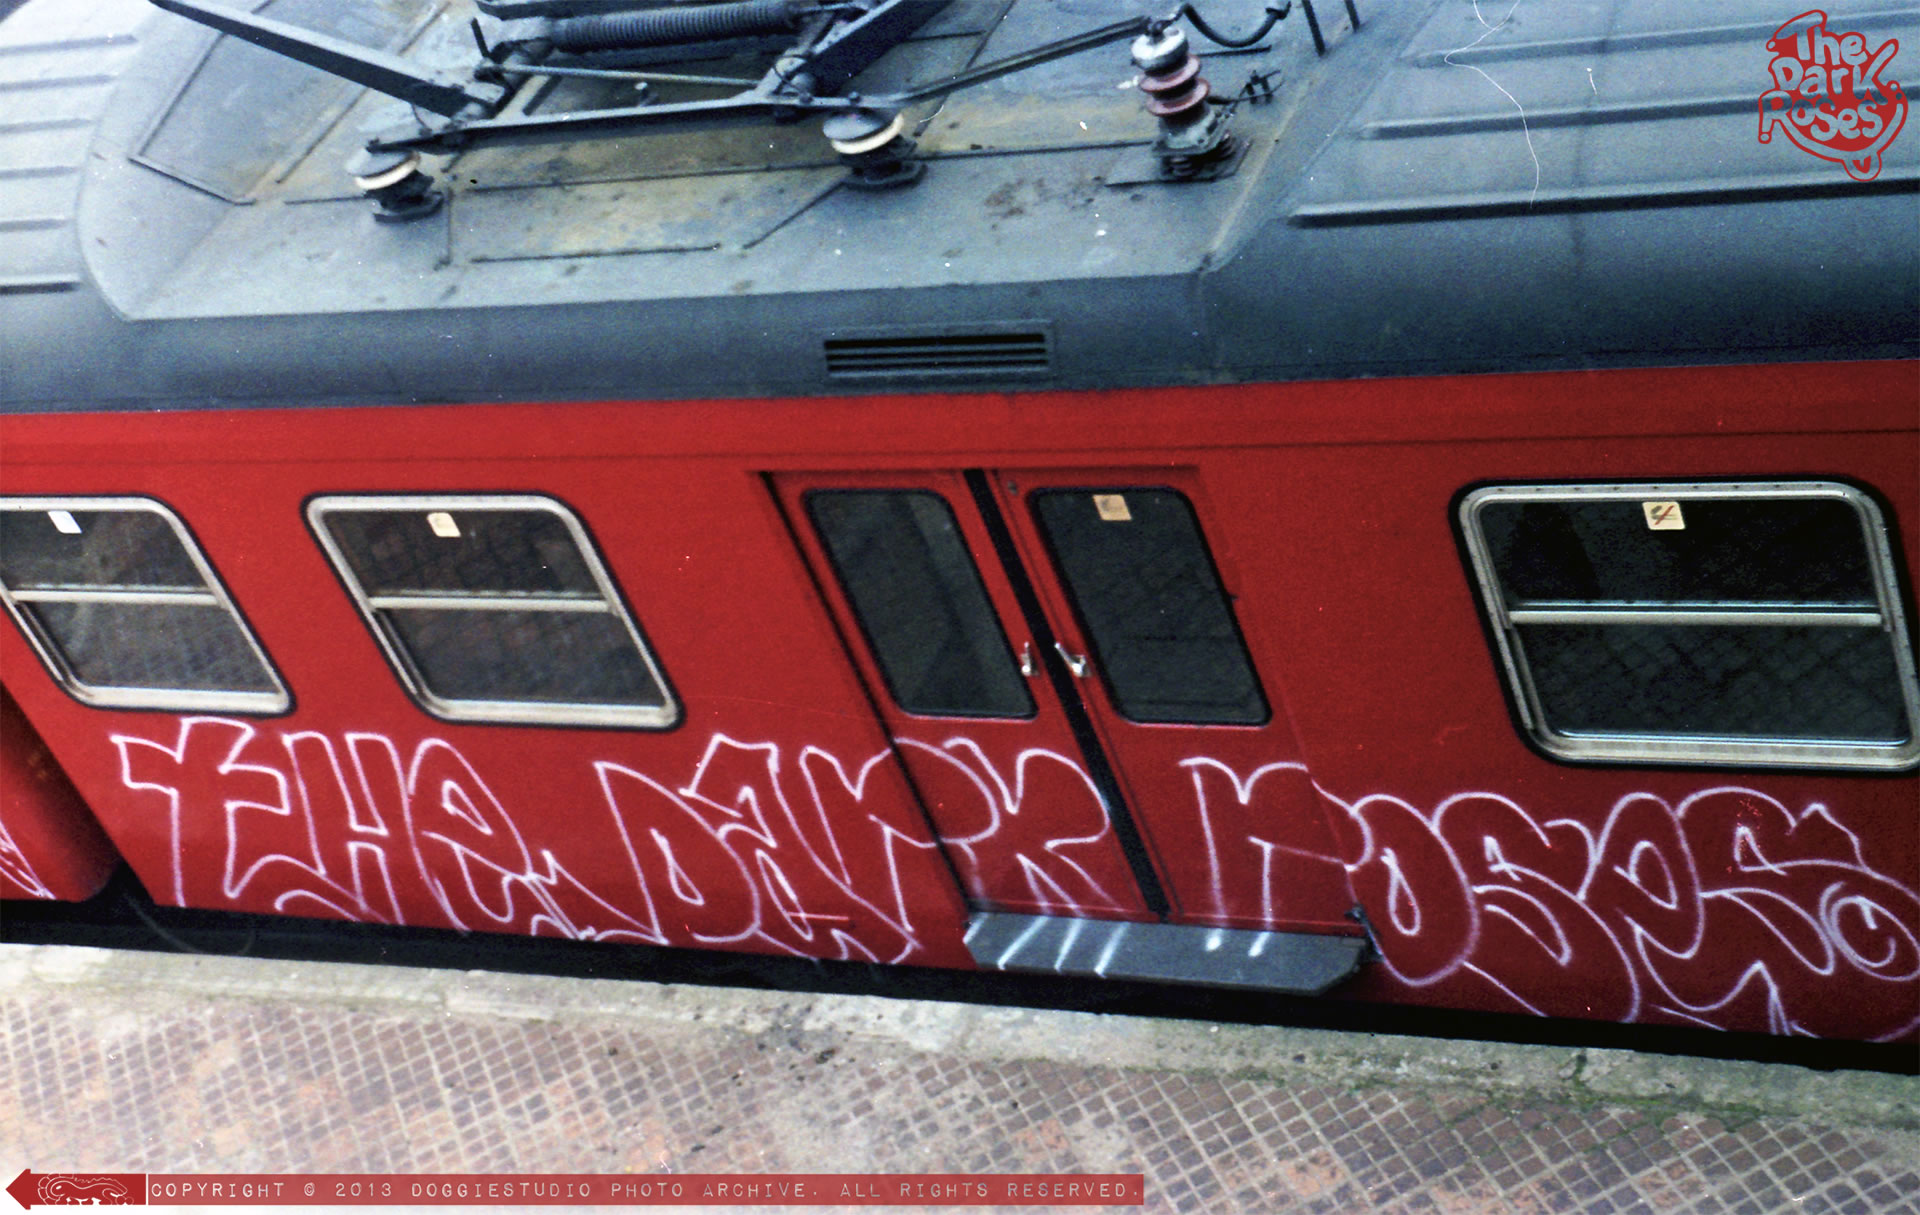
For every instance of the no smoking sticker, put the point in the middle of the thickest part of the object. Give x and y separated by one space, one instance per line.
1664 516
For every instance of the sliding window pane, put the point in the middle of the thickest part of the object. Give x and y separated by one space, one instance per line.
1751 682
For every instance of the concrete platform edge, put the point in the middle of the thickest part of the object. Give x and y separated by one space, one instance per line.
123 983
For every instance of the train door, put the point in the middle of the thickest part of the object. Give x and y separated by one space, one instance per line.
961 681
1057 657
1142 606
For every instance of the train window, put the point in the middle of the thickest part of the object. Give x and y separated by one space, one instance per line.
1699 623
494 608
1145 590
918 597
125 611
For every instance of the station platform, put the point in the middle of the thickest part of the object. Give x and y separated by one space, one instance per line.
141 1062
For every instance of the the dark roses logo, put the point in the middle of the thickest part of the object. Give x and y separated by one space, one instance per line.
1831 96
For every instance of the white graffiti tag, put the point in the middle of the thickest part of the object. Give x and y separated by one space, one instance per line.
356 830
1728 909
1005 836
722 877
1265 836
15 870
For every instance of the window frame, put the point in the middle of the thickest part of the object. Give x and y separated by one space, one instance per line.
1689 749
1096 657
493 711
213 594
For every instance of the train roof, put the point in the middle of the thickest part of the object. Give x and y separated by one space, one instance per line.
1451 187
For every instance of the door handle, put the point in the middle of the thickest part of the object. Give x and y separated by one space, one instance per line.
1076 663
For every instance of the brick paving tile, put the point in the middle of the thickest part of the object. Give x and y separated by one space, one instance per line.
258 1086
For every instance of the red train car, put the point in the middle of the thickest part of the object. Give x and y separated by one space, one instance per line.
1446 540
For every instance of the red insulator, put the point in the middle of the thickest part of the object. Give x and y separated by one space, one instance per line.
1170 77
1193 132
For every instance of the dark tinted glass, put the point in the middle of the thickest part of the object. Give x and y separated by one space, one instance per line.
571 657
1778 550
905 568
1146 592
121 548
500 551
176 646
1750 682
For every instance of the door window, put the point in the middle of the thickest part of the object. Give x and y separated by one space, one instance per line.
918 597
1150 602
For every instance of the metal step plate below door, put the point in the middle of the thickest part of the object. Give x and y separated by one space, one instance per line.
1298 963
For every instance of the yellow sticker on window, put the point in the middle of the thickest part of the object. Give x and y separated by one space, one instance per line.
1112 508
443 525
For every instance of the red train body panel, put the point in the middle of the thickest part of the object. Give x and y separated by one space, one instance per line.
786 813
50 845
1452 540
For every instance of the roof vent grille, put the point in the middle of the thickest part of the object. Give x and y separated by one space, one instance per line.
946 354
